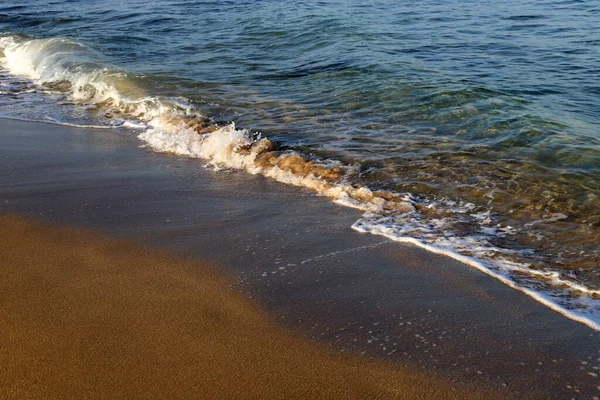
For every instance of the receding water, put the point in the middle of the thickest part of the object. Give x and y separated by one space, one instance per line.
482 116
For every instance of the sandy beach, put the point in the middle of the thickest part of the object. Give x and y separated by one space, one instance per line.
86 314
87 317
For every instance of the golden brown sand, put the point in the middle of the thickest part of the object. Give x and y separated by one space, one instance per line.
84 317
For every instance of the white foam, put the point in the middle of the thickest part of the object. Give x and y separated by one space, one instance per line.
221 148
135 125
77 70
55 122
569 298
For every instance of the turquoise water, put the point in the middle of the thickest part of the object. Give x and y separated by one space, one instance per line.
482 116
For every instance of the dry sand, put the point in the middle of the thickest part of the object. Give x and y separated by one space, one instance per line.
85 317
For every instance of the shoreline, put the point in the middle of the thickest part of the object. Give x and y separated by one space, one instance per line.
486 237
295 254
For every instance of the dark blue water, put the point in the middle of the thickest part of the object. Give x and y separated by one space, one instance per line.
484 113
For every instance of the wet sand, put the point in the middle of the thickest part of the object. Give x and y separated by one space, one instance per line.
87 317
296 256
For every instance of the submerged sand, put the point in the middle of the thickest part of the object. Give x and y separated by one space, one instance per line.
88 317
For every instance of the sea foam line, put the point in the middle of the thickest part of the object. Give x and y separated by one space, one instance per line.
53 122
589 320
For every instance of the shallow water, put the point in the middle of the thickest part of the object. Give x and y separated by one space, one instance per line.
477 122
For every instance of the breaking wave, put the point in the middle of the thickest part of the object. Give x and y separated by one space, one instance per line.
175 125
